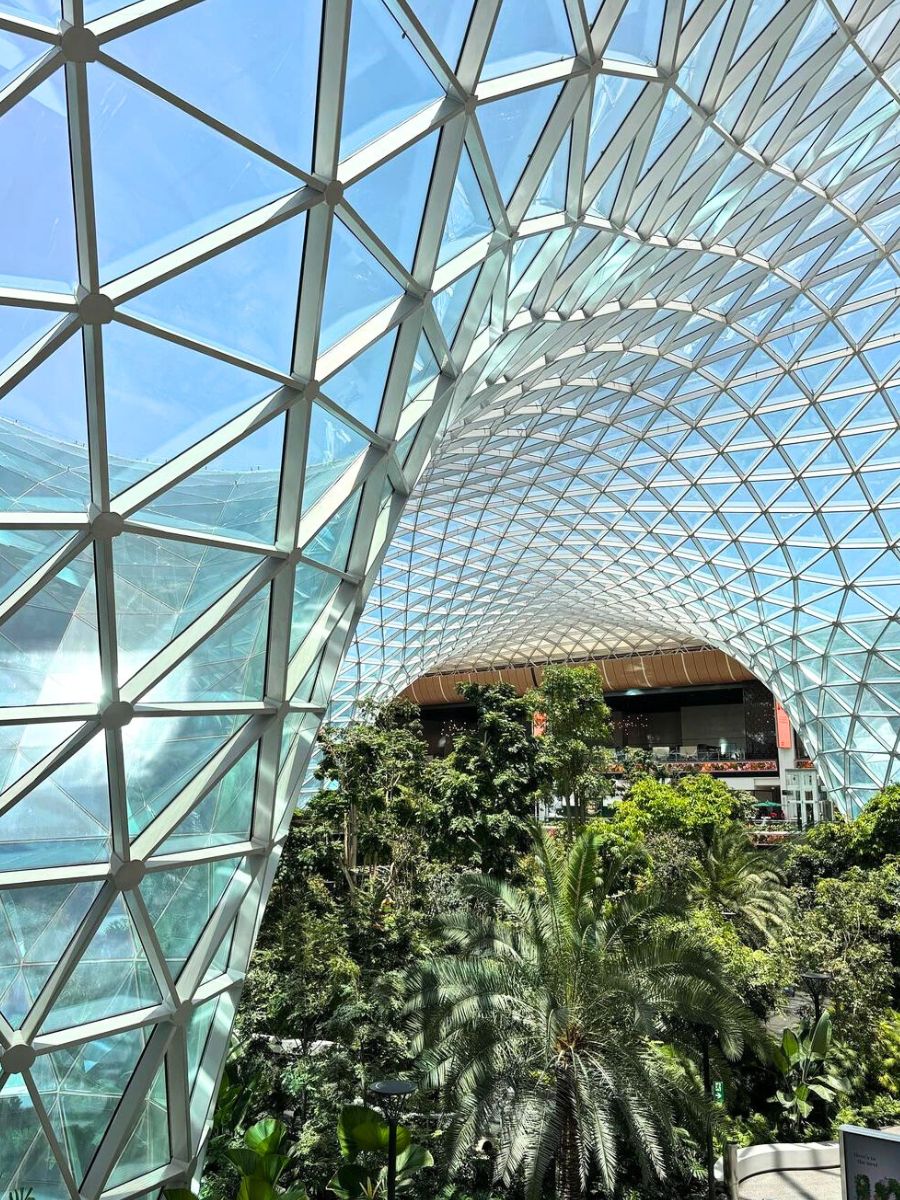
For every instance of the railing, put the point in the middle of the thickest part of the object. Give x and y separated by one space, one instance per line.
723 758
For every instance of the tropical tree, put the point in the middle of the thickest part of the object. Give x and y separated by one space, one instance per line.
550 1014
741 883
575 719
484 793
368 766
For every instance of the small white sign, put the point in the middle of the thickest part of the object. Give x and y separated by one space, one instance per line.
870 1164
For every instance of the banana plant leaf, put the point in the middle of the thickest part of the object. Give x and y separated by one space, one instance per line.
821 1036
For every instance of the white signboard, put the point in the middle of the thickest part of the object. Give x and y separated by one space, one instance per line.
870 1164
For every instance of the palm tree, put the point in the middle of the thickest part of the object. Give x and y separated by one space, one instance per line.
550 1012
743 883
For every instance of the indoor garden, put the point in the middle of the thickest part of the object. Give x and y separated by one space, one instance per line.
576 1006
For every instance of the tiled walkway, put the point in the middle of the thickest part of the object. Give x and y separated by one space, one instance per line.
793 1185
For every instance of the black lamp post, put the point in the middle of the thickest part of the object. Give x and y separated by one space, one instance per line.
391 1095
710 1149
816 983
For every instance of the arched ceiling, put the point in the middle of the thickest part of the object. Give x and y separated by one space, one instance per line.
610 286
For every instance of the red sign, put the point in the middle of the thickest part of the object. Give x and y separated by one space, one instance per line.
783 732
539 724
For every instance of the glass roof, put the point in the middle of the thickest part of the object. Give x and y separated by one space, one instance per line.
553 328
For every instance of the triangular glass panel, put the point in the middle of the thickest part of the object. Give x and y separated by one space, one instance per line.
63 820
162 179
249 66
296 725
222 955
528 33
20 328
25 551
468 218
162 585
637 35
331 545
180 903
310 690
511 127
386 81
198 1029
312 591
162 398
425 369
148 1147
223 816
551 195
43 422
47 12
37 249
234 495
357 287
359 386
614 98
113 976
87 1081
163 754
404 446
27 1164
446 25
48 647
228 666
36 925
243 300
332 448
391 199
450 303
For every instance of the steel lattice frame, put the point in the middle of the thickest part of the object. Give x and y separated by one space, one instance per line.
608 262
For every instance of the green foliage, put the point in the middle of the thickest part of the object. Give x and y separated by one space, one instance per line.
695 807
378 765
572 749
808 1065
876 831
552 1007
484 793
887 1052
260 1161
363 1135
848 928
824 851
361 1129
742 883
373 892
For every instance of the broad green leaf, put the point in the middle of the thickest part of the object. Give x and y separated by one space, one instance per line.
265 1136
414 1158
361 1128
352 1182
256 1189
780 1059
821 1037
258 1166
790 1045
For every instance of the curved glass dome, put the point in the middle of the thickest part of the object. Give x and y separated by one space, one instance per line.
610 288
